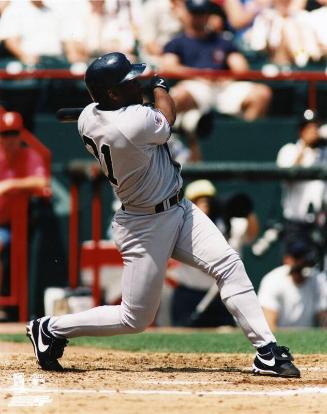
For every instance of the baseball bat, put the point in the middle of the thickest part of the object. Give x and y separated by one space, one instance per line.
68 114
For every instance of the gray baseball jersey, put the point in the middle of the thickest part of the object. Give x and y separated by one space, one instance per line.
130 144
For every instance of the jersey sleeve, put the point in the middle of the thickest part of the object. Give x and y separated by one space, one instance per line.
173 46
287 155
144 125
10 19
268 294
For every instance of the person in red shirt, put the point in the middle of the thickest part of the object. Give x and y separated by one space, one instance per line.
21 168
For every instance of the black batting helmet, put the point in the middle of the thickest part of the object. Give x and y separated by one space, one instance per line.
110 70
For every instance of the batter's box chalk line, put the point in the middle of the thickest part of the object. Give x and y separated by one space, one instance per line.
270 393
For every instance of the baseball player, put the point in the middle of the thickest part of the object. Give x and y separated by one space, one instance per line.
154 223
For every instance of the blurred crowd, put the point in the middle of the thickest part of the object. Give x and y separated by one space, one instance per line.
177 36
289 32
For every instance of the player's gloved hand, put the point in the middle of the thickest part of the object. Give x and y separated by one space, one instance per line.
158 82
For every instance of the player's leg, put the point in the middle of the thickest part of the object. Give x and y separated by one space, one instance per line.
146 243
202 245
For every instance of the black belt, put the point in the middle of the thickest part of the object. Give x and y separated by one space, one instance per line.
166 204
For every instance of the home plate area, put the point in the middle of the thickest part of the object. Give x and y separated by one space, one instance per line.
98 380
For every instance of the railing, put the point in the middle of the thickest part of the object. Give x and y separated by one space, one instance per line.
311 77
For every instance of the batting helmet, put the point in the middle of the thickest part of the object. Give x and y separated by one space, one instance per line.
110 70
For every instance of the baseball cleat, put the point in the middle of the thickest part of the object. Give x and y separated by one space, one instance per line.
276 360
47 348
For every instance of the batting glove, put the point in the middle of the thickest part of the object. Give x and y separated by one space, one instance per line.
158 82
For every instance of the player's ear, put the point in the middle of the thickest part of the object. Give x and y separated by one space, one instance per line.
113 95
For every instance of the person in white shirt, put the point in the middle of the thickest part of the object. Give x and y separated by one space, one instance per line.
295 294
29 30
303 201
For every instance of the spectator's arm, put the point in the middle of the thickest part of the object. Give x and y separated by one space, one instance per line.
13 45
75 51
27 183
171 62
237 62
238 15
253 228
271 317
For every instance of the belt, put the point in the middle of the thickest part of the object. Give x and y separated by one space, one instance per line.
164 205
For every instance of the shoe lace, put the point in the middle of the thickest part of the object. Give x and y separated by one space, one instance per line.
282 353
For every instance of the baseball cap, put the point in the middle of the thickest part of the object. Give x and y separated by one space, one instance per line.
11 123
200 188
198 6
299 249
309 116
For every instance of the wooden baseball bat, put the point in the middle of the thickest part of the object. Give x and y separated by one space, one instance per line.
68 114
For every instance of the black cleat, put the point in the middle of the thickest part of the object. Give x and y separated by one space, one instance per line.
275 360
47 348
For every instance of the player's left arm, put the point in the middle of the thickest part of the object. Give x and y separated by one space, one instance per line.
162 100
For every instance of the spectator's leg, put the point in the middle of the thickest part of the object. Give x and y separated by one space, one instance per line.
257 102
184 101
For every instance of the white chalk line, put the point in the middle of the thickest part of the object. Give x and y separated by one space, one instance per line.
177 382
270 393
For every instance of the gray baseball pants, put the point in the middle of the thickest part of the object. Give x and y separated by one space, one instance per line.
146 242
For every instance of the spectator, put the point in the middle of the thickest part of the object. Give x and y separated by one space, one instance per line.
3 5
303 200
237 221
295 294
161 23
104 27
284 32
23 169
199 48
30 30
318 19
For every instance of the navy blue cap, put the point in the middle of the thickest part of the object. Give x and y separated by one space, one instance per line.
198 6
299 249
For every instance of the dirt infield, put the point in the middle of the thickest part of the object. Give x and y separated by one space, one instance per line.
98 381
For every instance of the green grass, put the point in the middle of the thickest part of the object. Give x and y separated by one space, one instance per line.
311 341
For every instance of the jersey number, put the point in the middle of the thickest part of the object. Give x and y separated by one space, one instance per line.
105 150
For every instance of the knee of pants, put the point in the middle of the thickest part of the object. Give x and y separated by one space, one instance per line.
234 280
137 319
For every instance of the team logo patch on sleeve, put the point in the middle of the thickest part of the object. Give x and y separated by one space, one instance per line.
158 120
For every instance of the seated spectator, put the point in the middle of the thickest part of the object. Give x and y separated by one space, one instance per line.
199 48
284 32
3 5
103 28
317 20
295 294
30 30
237 221
161 23
23 169
303 200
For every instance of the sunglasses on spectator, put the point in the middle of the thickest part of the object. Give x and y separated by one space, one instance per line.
8 134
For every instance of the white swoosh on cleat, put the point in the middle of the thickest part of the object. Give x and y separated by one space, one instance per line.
42 347
270 362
